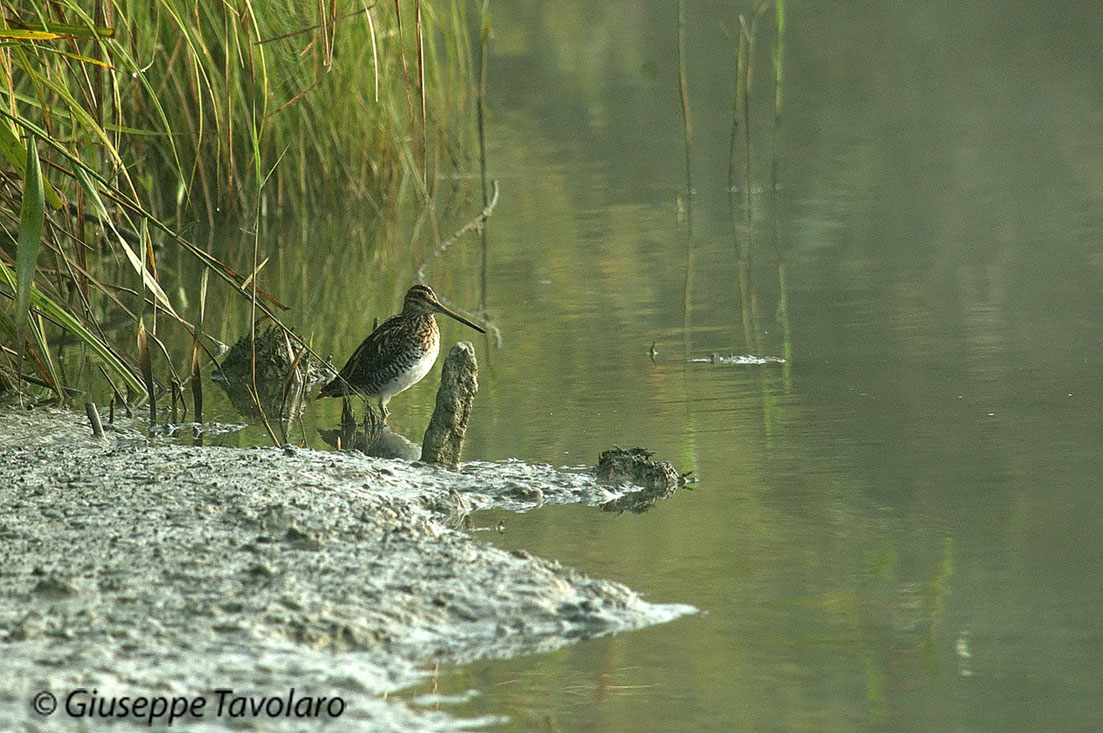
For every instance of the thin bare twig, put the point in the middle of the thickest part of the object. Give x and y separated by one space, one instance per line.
474 225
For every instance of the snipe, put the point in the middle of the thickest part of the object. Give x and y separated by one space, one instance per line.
398 354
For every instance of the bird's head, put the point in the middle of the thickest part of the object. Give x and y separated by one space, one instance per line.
422 299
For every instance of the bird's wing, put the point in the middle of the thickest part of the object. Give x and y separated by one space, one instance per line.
375 349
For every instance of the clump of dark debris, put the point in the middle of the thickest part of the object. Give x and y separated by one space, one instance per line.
284 374
658 480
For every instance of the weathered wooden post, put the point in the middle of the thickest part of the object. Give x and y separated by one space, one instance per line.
443 440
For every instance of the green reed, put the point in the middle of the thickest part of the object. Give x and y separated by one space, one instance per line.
124 124
687 120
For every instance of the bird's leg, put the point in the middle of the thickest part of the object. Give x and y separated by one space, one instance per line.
348 422
383 410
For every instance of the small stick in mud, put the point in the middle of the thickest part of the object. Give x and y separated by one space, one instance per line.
94 420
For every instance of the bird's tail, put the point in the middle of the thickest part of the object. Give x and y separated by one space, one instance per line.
332 389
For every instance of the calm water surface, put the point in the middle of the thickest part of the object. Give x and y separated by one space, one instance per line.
900 527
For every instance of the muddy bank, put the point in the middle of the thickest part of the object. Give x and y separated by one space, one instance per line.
162 570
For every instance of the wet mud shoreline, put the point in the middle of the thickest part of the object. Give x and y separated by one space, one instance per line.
144 568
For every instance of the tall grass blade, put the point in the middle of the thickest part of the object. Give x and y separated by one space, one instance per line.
406 71
61 316
32 218
196 362
779 57
783 285
14 152
27 35
687 124
197 382
480 114
737 109
42 32
420 34
480 94
145 360
148 278
44 367
374 54
54 377
174 389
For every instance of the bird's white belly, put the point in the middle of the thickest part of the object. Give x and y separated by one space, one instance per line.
409 377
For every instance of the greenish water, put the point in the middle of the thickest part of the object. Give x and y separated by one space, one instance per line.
900 527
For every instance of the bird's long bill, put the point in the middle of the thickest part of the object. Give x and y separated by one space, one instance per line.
459 318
